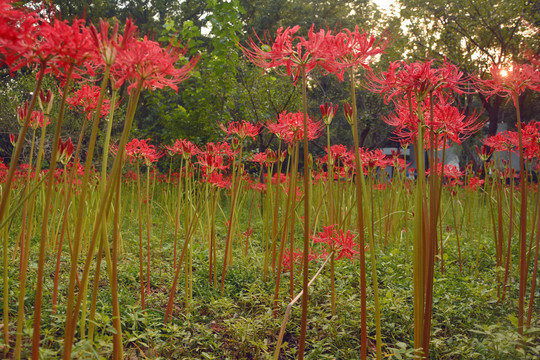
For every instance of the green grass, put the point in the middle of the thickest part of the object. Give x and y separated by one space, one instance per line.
468 320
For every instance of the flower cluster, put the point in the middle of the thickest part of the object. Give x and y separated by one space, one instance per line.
332 53
140 149
337 240
290 127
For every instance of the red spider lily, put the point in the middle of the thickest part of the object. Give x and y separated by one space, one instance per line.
328 112
130 175
475 183
347 108
17 31
256 185
336 152
298 192
58 44
450 171
512 81
37 118
221 148
262 159
484 152
531 140
46 101
290 127
13 139
145 61
212 162
242 129
183 147
373 158
346 245
65 151
282 178
447 124
355 48
217 179
140 149
86 99
70 44
108 47
327 236
499 141
294 52
417 79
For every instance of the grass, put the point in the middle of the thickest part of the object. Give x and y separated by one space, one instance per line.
468 320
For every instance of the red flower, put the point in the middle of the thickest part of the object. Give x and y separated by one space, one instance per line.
347 108
214 158
17 32
146 62
327 236
86 98
447 124
183 147
242 129
357 49
140 149
417 79
475 183
107 47
217 179
484 152
65 151
328 112
294 52
510 81
37 118
13 139
290 127
261 158
499 141
346 245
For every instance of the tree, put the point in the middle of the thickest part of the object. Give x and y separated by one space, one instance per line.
471 34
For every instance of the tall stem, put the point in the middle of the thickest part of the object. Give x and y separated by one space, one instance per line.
522 223
45 223
307 230
360 223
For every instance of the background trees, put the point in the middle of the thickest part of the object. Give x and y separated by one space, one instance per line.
471 34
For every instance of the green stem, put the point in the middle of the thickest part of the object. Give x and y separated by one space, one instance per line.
307 230
45 221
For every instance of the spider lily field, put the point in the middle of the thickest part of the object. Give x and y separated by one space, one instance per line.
215 250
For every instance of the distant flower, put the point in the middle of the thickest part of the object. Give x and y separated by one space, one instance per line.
242 129
346 245
218 180
183 147
328 112
140 149
13 139
290 127
37 118
65 151
86 99
484 152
